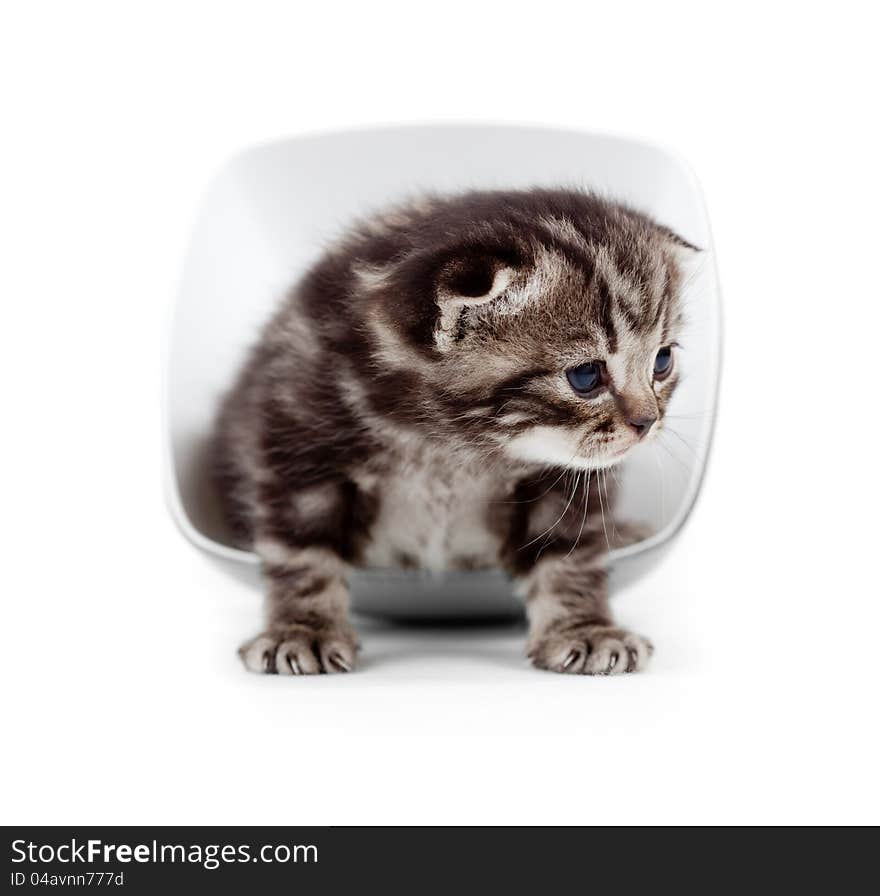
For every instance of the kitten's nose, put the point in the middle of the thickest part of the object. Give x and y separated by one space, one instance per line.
642 425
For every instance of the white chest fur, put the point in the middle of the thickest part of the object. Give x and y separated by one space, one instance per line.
433 513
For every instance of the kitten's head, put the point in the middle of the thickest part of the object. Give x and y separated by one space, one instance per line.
552 326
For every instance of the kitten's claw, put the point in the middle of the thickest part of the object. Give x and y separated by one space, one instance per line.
339 663
572 657
590 650
301 650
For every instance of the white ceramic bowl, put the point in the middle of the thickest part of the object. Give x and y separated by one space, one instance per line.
268 214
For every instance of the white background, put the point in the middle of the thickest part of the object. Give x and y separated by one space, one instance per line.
123 701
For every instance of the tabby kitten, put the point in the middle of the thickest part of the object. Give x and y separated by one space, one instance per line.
435 394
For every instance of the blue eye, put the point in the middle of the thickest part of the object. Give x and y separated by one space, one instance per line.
585 378
663 362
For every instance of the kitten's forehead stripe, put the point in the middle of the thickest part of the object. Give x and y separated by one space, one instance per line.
606 314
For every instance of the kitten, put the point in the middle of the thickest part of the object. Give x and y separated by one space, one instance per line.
436 393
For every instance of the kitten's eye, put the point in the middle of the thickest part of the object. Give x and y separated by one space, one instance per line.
586 378
663 363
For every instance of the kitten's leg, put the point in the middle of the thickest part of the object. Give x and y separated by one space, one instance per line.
571 628
307 629
558 551
304 537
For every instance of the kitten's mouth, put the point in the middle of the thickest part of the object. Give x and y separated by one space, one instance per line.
614 454
610 456
598 459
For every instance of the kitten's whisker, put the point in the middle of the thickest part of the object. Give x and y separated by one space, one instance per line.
547 531
683 441
687 470
616 477
662 478
548 539
602 510
610 505
543 494
589 475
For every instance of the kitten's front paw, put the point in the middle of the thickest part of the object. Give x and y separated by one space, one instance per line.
301 650
590 650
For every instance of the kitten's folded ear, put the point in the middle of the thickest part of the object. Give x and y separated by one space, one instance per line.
468 280
430 292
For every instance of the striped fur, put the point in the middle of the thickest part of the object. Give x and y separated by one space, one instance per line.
408 405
